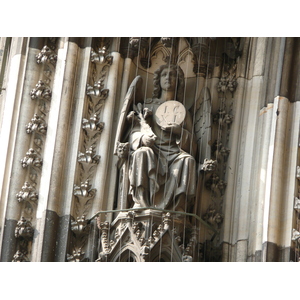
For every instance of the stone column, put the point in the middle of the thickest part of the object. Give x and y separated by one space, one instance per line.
17 111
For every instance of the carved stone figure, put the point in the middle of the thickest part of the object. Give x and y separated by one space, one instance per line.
162 171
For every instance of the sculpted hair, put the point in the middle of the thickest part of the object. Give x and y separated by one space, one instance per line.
179 85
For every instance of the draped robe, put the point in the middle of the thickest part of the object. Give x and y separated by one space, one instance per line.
162 174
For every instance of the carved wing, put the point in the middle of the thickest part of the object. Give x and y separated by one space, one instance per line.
133 96
202 124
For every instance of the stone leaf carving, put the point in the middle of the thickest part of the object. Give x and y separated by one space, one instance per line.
295 235
209 165
77 256
92 124
24 229
213 217
297 204
228 81
101 57
41 91
20 257
27 193
32 159
88 162
84 194
46 56
36 124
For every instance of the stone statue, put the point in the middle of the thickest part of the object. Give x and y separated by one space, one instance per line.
162 168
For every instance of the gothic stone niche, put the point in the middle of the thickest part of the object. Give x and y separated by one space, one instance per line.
156 141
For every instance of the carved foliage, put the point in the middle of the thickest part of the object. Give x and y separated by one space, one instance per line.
24 235
32 159
47 55
37 124
84 195
41 92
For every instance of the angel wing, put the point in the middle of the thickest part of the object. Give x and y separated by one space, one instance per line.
202 124
134 95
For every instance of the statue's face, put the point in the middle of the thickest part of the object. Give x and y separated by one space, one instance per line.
168 79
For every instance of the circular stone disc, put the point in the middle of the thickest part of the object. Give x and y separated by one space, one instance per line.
170 112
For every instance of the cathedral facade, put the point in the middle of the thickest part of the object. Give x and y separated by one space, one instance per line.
148 149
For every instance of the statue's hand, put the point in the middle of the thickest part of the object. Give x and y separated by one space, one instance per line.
148 139
173 128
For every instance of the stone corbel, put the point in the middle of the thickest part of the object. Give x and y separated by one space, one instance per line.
41 92
46 56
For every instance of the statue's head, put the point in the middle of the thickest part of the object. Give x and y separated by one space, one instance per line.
176 81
